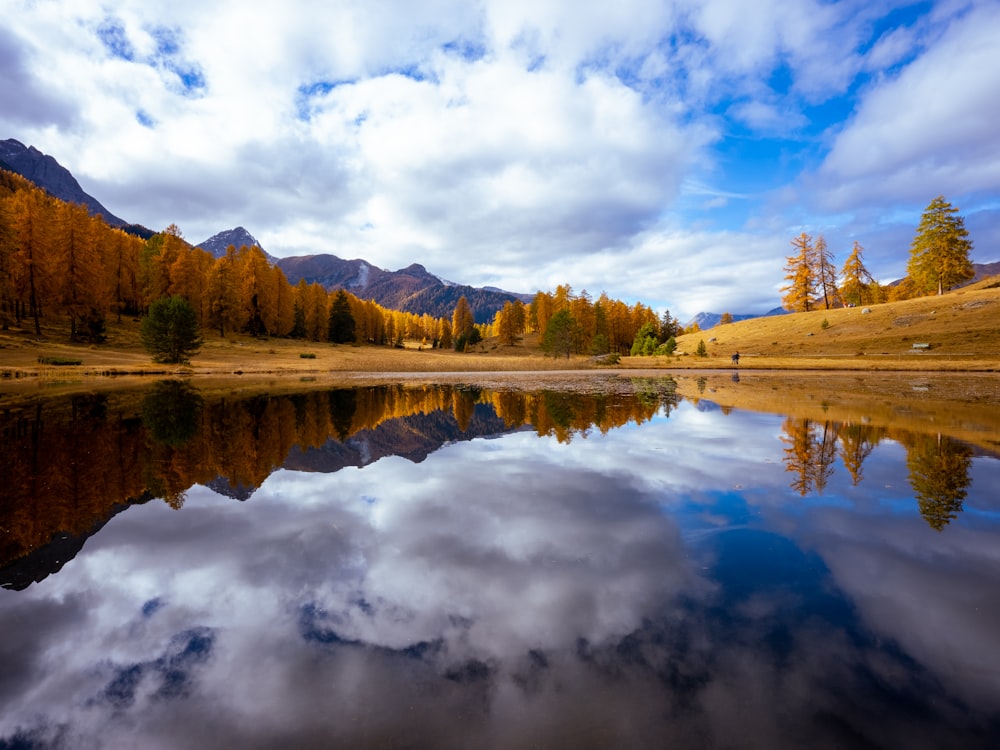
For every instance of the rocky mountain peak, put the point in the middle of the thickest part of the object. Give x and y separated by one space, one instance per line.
237 237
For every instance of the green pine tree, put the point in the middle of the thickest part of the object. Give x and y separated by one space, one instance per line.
170 330
341 323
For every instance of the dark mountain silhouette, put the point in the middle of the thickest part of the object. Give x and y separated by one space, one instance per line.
42 562
413 437
52 177
237 491
984 270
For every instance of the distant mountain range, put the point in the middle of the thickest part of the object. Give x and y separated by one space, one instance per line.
706 320
411 289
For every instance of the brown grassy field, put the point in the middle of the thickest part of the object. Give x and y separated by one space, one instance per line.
962 329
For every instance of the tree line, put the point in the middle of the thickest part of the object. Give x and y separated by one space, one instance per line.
57 261
570 323
939 260
938 466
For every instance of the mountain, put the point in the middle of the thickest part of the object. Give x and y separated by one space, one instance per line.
412 289
413 437
52 177
238 237
985 270
706 320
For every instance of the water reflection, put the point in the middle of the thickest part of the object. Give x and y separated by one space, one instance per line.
938 466
617 568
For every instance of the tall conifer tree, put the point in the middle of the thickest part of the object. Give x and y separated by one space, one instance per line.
939 254
801 289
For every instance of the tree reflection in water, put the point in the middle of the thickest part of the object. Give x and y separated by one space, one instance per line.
938 466
68 463
939 474
657 585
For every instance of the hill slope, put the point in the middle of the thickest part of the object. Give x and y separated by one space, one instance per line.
959 324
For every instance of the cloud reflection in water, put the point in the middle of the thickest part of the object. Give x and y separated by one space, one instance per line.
659 584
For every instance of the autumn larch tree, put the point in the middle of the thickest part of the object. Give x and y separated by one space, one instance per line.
463 325
257 291
79 284
938 469
32 212
939 254
825 274
510 321
223 293
856 282
462 320
800 293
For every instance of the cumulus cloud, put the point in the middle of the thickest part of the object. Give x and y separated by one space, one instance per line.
519 144
929 130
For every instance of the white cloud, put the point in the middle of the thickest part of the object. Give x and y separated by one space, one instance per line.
929 130
520 144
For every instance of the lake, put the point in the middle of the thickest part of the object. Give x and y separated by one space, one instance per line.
600 562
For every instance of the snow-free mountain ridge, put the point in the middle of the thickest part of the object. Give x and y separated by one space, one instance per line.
411 289
52 177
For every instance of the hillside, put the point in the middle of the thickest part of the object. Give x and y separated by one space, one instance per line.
958 326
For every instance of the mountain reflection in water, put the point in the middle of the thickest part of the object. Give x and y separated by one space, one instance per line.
614 567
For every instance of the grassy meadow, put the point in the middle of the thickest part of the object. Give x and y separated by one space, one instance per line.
961 330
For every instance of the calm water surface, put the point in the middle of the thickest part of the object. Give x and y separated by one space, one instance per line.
453 567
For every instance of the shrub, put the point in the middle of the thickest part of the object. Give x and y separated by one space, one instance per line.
59 361
666 348
308 355
466 340
825 324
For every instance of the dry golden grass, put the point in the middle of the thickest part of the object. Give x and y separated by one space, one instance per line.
962 328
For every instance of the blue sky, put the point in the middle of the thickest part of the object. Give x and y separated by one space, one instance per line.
660 151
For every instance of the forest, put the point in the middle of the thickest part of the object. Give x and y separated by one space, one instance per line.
59 263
